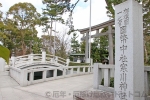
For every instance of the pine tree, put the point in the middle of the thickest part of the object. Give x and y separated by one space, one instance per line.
75 44
146 21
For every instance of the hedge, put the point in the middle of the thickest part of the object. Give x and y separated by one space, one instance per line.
111 82
78 64
4 53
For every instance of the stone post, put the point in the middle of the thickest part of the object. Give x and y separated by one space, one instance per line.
97 76
55 73
129 58
67 61
13 59
2 64
44 75
78 60
56 59
71 71
78 70
52 60
31 77
43 55
146 82
31 57
89 69
64 72
107 77
84 69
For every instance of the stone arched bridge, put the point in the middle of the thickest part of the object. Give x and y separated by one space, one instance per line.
35 68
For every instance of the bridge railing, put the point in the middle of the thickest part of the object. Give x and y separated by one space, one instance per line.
33 58
62 61
28 77
50 58
21 60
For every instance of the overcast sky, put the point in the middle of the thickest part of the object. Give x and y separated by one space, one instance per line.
80 15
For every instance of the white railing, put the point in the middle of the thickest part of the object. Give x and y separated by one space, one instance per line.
103 71
50 57
38 58
21 60
107 71
26 77
24 68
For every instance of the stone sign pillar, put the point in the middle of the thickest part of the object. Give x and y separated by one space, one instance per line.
129 58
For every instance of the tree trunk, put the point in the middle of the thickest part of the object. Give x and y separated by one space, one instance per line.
146 53
50 44
24 49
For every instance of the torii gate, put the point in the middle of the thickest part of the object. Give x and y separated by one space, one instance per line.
96 28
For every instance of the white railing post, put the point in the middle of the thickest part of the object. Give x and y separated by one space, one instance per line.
64 72
56 59
31 77
146 82
148 77
52 60
107 77
31 57
84 69
67 61
13 59
55 73
71 71
43 55
78 70
78 60
97 76
44 75
89 69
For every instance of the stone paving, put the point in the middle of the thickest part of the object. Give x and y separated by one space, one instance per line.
61 89
8 91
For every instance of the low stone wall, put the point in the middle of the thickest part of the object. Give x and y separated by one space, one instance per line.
104 71
27 76
2 65
15 73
